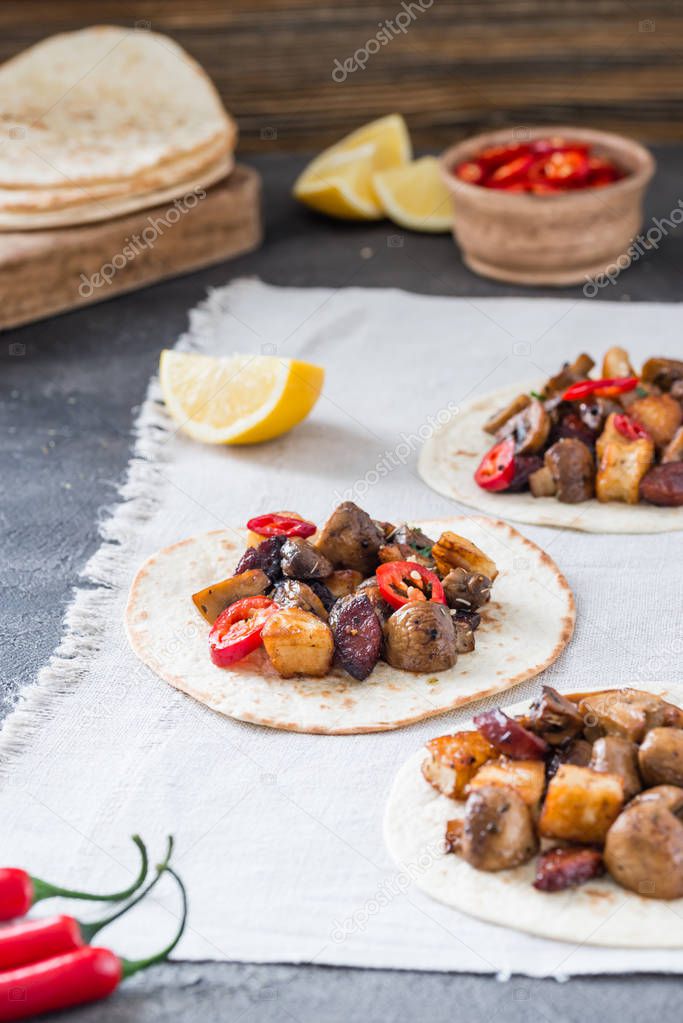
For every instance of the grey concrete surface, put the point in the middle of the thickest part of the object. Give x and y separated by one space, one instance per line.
69 388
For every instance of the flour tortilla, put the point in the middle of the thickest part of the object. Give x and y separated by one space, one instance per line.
523 630
118 206
41 200
105 104
450 457
598 913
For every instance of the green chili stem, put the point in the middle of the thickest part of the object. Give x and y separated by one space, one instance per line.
131 966
45 890
89 930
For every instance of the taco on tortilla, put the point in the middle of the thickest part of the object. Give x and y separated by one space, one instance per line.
359 626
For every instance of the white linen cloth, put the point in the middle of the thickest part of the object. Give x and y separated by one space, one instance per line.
279 835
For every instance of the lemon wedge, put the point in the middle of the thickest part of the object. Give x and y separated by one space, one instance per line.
339 182
414 196
240 399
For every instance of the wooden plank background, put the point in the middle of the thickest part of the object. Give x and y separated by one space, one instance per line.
457 68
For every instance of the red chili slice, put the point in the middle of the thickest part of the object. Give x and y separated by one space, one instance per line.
237 631
497 467
567 167
274 524
471 171
403 582
609 387
629 428
496 156
511 173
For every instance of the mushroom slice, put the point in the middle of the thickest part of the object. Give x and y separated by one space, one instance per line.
542 483
674 449
614 755
343 581
500 418
627 712
662 372
573 470
529 428
294 593
498 831
301 560
616 363
453 551
213 600
644 850
466 589
569 374
555 718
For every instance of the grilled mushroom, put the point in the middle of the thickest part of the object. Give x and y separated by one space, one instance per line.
498 832
294 593
370 588
211 601
661 757
529 428
616 363
644 850
301 560
555 718
573 470
501 417
614 755
466 589
420 637
673 452
350 539
569 374
662 372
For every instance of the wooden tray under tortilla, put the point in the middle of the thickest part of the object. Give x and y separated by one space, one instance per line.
48 272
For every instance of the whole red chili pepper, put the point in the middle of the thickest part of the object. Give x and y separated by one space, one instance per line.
20 890
85 975
32 940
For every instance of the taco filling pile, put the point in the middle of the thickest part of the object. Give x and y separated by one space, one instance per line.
617 438
589 784
354 593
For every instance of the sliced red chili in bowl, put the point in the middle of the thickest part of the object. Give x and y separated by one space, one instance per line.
566 167
511 173
237 631
276 524
403 582
497 468
629 428
609 387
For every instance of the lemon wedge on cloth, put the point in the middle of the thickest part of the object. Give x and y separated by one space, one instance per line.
414 196
240 399
339 182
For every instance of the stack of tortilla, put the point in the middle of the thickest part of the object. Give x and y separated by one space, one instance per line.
99 123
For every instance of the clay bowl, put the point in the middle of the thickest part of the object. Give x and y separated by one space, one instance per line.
548 239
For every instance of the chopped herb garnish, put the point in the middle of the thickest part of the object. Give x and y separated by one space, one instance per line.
535 394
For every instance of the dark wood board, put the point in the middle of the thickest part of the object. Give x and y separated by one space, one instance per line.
460 65
47 272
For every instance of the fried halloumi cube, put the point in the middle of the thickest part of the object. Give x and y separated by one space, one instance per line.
453 760
581 805
526 777
298 643
622 463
